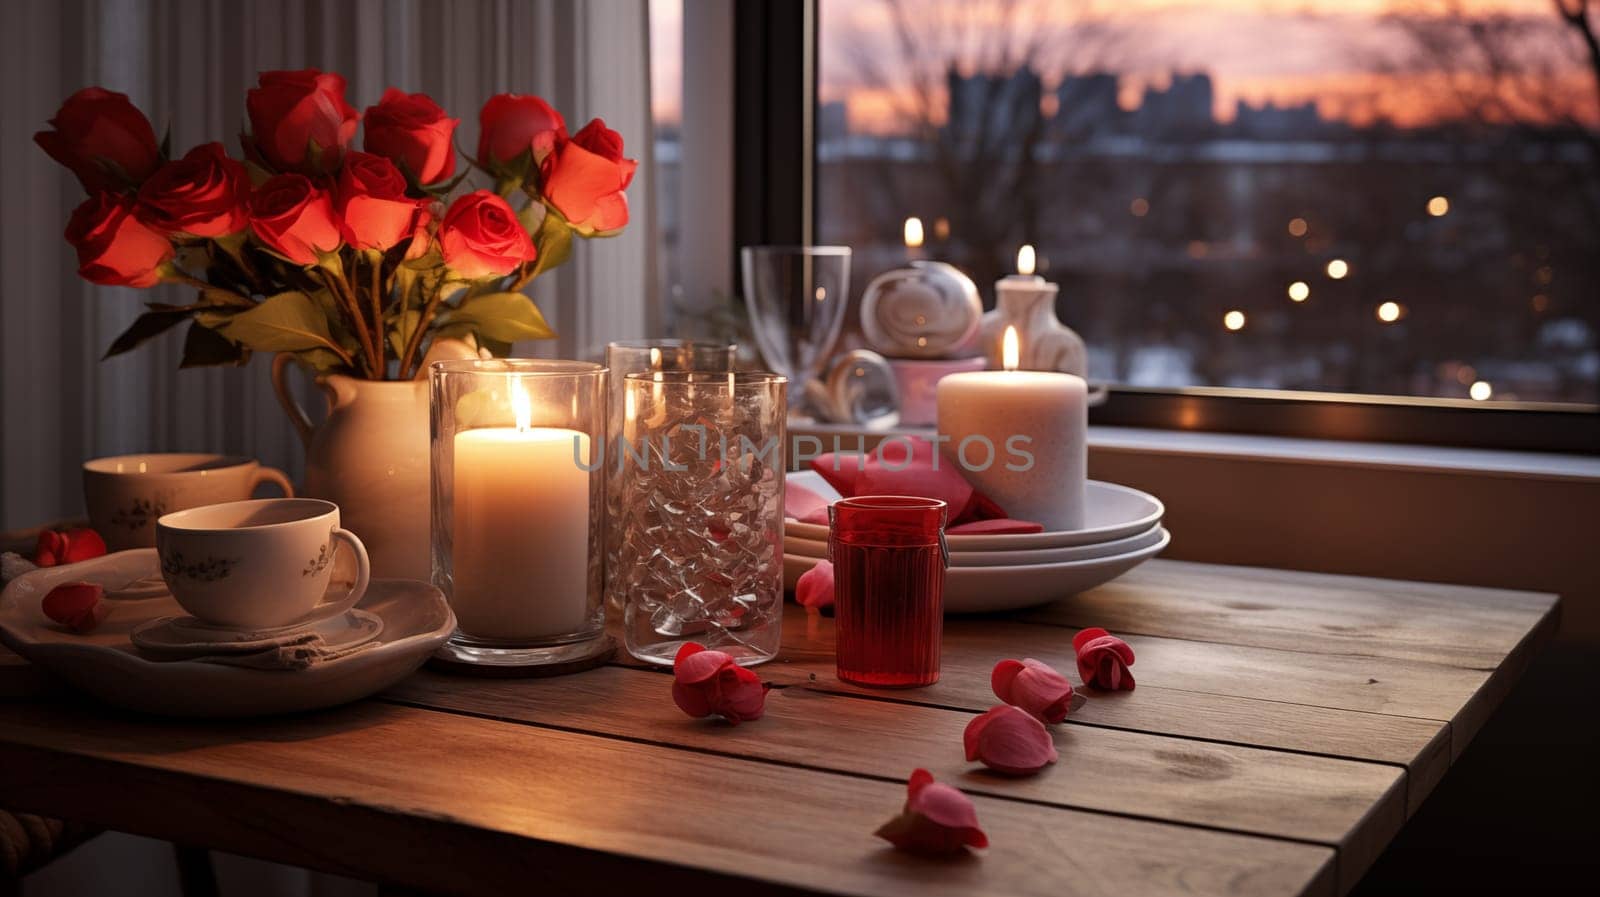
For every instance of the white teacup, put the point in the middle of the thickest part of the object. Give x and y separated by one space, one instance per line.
261 564
126 493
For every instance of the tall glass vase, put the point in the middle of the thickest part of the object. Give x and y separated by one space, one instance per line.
701 522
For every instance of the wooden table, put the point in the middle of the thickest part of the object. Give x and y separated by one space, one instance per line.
1284 727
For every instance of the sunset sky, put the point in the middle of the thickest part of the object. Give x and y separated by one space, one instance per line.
1342 54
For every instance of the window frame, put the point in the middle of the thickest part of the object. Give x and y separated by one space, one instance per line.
775 201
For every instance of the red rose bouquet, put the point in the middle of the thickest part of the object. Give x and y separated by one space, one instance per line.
353 261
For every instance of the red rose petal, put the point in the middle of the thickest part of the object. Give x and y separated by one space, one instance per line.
1006 739
1035 687
1103 659
814 590
937 819
76 605
712 682
83 544
50 549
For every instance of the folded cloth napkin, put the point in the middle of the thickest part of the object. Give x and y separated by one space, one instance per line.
908 466
177 638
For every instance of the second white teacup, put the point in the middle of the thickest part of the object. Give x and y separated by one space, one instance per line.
261 564
125 494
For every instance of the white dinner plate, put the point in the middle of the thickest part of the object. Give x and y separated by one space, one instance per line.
1111 512
973 590
104 662
808 548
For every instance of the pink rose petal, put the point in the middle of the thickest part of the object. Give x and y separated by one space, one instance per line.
1034 686
814 590
1006 739
937 819
1103 660
802 503
998 526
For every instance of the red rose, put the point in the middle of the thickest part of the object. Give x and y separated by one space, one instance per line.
103 138
511 124
937 819
481 236
584 178
706 682
204 194
74 545
76 605
413 132
293 218
1034 686
372 202
1103 660
300 120
114 247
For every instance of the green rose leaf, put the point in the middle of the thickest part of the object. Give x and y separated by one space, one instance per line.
146 327
502 317
554 242
287 322
204 347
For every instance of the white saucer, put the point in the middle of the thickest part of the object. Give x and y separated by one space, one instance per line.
184 636
105 663
975 590
1111 512
808 548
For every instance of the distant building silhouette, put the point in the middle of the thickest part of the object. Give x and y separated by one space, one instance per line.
833 120
1183 109
1086 106
990 113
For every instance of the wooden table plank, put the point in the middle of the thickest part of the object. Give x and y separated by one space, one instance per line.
1357 807
465 805
1222 714
1471 628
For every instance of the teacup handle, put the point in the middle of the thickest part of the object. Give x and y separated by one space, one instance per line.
363 575
275 476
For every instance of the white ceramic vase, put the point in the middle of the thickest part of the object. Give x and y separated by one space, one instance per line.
370 456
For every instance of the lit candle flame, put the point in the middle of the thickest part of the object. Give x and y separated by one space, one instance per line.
1010 352
1026 259
655 358
913 233
521 405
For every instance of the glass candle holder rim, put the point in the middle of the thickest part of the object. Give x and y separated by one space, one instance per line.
797 249
523 367
742 380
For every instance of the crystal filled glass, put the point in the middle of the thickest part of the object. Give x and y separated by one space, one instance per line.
625 357
700 522
797 296
519 507
889 560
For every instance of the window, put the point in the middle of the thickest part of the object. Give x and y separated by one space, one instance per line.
1398 199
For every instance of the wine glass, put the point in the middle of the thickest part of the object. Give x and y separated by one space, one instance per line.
797 296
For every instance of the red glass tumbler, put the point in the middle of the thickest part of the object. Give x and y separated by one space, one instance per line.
889 559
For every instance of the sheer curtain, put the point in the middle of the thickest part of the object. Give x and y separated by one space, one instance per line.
187 64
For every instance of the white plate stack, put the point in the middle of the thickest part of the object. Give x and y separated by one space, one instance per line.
1122 528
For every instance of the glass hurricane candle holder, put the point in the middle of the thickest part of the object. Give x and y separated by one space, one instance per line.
519 507
889 560
625 357
701 517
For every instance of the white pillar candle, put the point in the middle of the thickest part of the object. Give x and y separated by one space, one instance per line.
1041 414
520 552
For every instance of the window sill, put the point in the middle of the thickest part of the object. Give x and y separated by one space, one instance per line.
1237 446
